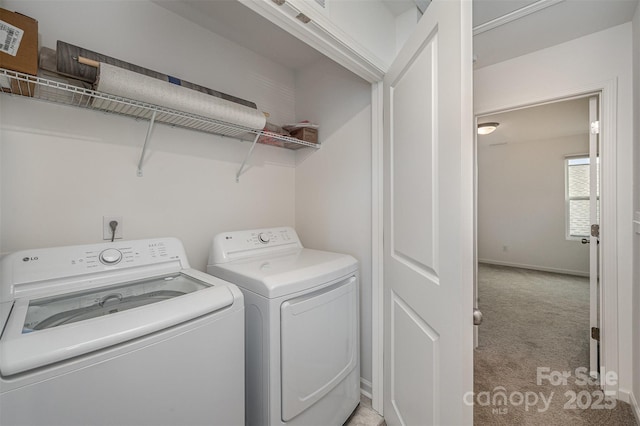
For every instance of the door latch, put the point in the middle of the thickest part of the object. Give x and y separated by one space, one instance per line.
595 333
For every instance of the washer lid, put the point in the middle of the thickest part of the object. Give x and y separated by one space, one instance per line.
58 310
40 332
287 272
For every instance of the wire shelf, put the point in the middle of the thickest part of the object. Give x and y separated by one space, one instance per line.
61 92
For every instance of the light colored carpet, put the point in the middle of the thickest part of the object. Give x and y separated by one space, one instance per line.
364 415
536 319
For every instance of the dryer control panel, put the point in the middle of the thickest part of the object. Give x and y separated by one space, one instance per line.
229 246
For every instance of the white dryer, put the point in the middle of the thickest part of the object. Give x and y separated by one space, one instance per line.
118 333
302 327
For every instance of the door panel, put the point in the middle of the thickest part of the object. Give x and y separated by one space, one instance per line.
428 222
413 169
413 391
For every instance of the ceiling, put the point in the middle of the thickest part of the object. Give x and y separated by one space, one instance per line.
544 122
231 20
503 29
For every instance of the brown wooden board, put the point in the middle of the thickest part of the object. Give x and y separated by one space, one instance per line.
67 64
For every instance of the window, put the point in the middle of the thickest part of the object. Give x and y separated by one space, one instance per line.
577 197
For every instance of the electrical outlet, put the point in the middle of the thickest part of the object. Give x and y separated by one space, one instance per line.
106 229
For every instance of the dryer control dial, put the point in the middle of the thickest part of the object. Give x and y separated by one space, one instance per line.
263 238
110 256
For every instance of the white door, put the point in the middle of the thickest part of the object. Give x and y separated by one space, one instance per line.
428 222
594 248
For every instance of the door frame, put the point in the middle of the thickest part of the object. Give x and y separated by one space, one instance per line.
608 219
377 246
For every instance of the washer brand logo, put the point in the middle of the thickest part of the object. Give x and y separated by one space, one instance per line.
26 259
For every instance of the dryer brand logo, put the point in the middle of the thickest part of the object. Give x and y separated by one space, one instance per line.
27 259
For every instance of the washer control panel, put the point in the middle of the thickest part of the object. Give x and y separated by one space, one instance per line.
30 266
228 246
123 254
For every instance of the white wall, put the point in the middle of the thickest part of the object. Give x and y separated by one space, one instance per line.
368 22
405 25
571 67
64 168
521 205
333 186
636 253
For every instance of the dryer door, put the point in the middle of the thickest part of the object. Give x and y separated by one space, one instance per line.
319 344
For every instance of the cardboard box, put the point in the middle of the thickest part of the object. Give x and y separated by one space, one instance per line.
19 53
307 134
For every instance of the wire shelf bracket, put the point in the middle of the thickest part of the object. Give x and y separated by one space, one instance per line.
146 141
246 158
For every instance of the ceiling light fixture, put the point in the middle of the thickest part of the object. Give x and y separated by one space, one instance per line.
486 128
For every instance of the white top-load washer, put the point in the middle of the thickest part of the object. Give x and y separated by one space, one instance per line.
302 327
118 333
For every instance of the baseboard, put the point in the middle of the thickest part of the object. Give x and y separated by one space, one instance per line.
623 395
534 267
634 406
365 388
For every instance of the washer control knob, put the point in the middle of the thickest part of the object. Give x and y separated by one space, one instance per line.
263 238
110 256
